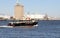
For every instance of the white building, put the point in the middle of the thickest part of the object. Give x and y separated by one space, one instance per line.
35 16
4 16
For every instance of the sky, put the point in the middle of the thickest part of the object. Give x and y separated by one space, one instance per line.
50 7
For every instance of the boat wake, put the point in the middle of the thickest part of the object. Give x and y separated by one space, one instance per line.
6 26
15 26
35 25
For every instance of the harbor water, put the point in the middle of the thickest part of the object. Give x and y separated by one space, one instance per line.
45 29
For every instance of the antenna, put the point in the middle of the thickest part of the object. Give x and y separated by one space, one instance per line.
17 1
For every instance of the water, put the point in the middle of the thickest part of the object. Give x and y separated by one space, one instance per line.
45 29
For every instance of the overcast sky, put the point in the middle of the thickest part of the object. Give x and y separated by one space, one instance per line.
51 7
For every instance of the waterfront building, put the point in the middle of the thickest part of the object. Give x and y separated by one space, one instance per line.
2 17
35 16
18 11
